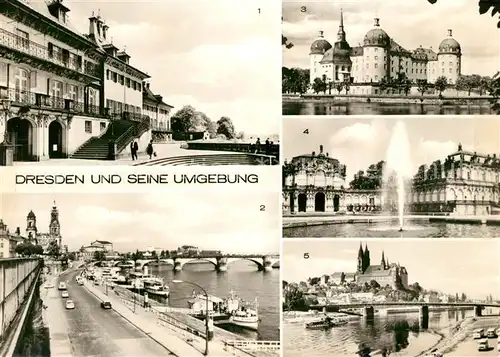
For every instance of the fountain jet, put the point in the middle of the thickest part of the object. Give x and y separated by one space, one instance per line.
398 165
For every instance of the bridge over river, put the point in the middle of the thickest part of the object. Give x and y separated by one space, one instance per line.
369 307
263 262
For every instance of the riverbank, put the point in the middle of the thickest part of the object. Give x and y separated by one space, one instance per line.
399 99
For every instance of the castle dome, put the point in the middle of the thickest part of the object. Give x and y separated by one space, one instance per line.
320 46
377 37
449 45
31 215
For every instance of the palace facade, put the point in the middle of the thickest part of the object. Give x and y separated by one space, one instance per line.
394 275
380 56
60 89
465 184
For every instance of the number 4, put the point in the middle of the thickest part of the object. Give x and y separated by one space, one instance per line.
305 131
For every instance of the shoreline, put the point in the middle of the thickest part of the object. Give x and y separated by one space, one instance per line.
410 99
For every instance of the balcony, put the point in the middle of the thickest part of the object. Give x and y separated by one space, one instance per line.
71 66
45 102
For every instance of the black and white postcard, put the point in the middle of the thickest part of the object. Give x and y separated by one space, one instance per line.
390 57
391 177
383 297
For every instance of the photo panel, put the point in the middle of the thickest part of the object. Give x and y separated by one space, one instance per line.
180 272
358 58
100 83
381 297
394 177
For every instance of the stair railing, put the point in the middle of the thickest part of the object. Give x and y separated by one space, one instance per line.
134 131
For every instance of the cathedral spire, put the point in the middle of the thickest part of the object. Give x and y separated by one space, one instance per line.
383 260
361 259
341 33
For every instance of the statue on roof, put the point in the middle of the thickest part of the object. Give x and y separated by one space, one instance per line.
459 146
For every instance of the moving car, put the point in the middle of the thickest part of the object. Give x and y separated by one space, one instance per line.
491 333
62 286
483 345
70 305
106 305
478 333
65 294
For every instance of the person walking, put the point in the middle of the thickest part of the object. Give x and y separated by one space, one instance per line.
132 150
136 149
149 150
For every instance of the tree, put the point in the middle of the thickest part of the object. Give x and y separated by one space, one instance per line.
53 250
319 85
314 281
468 83
464 297
339 86
154 255
441 84
385 83
72 256
422 86
185 119
203 123
484 85
285 43
294 299
136 256
294 80
374 284
240 135
484 7
225 127
99 256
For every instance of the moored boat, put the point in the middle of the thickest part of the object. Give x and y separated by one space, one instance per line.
324 323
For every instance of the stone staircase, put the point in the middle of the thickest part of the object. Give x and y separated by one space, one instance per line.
120 131
212 160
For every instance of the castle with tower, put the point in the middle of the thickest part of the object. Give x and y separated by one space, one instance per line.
44 239
380 56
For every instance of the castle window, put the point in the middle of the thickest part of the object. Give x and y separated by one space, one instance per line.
376 58
442 70
376 65
450 70
107 74
367 65
451 63
22 39
376 49
88 126
114 76
468 175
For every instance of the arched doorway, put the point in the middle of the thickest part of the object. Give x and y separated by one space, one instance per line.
292 202
336 203
319 202
302 202
55 140
20 132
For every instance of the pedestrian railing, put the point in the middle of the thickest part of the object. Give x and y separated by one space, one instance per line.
179 326
255 345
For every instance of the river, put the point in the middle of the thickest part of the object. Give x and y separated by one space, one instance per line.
353 108
345 340
243 278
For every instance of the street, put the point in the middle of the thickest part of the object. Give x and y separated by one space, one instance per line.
468 347
94 331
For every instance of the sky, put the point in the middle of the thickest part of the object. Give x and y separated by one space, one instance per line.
411 23
210 220
449 266
359 143
219 56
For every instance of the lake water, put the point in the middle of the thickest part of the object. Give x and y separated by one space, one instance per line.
378 334
322 108
414 228
241 277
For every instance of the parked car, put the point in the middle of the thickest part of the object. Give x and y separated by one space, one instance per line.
70 305
65 294
483 345
435 353
106 305
491 333
62 286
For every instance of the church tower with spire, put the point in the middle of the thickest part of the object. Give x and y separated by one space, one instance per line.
54 226
341 36
366 260
382 262
361 257
31 230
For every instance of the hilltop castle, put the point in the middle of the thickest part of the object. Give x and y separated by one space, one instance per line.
380 56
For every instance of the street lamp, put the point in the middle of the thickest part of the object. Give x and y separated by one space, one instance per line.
206 309
6 104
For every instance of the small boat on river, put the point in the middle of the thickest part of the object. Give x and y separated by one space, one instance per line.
325 323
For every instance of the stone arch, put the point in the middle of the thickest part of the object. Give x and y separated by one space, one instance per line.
255 261
302 202
199 260
21 133
319 202
57 138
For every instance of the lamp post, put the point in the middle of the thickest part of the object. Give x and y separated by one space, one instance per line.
206 309
6 151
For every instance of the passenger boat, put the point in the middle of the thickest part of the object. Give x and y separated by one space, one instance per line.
245 316
324 323
156 287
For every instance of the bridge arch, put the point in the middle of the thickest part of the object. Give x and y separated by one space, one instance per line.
183 261
256 261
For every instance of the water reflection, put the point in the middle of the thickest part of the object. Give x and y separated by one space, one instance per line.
319 108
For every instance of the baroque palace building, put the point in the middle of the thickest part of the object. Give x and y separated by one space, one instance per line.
380 56
392 274
464 184
61 89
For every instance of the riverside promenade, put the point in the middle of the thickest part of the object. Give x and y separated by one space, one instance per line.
167 328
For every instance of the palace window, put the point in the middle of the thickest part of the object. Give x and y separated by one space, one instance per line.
376 65
376 58
92 96
102 126
376 49
114 76
107 74
22 39
22 80
121 79
72 92
450 70
88 126
57 89
127 82
484 176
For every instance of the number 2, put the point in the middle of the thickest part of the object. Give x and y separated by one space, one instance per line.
306 255
262 208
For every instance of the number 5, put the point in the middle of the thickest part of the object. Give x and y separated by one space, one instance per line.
306 255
